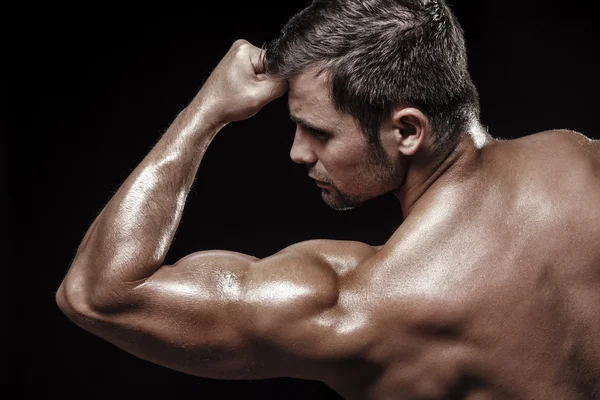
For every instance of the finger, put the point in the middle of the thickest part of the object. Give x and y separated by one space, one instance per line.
257 58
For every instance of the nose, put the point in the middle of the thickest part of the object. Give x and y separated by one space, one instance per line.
302 151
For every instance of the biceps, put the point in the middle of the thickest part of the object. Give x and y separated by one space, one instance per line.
221 315
189 317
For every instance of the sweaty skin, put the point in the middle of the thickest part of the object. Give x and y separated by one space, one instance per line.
490 289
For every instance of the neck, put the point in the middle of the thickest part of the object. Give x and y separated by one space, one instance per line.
425 172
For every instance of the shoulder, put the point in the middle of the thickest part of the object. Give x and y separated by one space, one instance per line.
306 303
564 140
341 256
328 246
313 274
575 153
550 157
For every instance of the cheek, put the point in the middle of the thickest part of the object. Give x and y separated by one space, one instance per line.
348 169
342 161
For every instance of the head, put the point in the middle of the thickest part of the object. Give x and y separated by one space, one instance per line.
372 83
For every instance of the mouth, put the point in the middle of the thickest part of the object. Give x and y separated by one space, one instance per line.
320 183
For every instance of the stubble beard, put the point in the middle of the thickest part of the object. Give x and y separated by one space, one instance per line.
380 170
339 201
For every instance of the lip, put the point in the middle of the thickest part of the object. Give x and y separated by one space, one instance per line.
321 184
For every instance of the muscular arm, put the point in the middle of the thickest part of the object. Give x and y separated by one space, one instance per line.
129 240
214 314
226 315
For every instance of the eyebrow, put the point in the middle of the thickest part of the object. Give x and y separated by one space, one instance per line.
308 125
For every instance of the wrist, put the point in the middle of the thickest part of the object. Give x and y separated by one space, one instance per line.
206 108
198 119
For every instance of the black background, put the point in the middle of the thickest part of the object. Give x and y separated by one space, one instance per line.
90 91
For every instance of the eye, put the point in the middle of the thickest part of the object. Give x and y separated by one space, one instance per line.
318 134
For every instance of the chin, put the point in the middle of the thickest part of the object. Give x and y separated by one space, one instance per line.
344 208
341 202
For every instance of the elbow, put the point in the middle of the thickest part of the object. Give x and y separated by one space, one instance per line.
79 310
64 304
82 303
74 304
61 298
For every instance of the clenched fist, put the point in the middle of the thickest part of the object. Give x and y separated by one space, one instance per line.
237 88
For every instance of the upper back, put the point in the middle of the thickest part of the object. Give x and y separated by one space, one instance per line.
497 286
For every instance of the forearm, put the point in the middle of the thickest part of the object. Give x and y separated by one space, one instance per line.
130 238
128 241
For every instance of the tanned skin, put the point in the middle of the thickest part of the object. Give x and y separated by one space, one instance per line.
490 288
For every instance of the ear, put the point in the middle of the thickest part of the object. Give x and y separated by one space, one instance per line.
411 127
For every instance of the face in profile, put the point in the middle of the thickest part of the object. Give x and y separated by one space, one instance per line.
348 169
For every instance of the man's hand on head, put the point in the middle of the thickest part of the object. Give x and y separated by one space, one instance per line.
238 87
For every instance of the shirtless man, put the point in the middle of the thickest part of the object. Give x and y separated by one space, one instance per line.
490 288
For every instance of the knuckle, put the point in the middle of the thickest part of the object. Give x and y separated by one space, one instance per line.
239 43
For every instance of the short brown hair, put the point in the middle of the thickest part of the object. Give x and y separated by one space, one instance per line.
379 53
